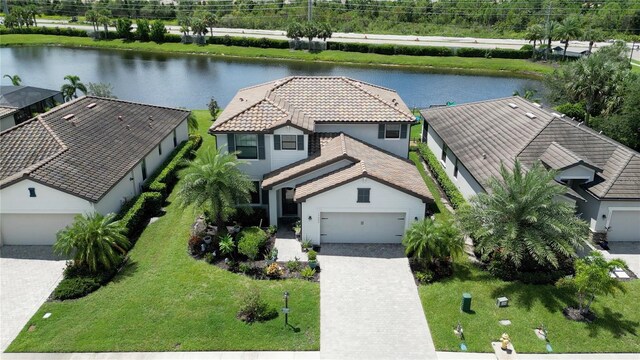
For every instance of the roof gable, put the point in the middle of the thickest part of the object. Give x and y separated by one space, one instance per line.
558 157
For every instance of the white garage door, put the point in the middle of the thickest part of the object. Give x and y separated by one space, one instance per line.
32 229
624 226
362 227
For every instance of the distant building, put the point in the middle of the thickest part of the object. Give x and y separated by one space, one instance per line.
20 103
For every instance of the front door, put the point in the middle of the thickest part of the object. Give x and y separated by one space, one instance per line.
289 207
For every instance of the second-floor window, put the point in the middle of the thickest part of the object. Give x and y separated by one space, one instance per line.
364 195
247 146
392 131
289 142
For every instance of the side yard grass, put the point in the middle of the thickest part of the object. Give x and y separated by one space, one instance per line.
167 301
480 66
617 328
441 212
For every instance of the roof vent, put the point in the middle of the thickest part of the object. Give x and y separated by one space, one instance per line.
91 106
513 106
241 99
537 105
69 116
530 115
120 117
128 127
73 123
556 115
150 118
484 155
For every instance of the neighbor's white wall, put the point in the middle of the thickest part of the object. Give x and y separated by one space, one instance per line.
369 134
280 158
7 122
465 182
15 199
576 172
343 199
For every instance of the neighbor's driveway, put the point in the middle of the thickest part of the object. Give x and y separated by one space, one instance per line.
28 274
369 305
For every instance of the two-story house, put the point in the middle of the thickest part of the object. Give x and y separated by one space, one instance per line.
331 151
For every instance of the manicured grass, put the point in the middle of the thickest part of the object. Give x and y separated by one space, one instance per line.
416 131
480 66
442 213
165 301
617 328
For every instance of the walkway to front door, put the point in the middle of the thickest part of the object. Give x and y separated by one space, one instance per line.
369 305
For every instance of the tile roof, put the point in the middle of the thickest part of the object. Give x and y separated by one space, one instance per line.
558 157
319 140
484 134
7 110
22 96
103 143
367 161
303 101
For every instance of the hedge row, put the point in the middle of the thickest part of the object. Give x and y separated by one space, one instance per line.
167 175
142 208
442 178
385 49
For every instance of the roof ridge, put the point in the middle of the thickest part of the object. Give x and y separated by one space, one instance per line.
586 128
343 143
219 122
24 123
363 166
534 137
618 173
351 82
473 103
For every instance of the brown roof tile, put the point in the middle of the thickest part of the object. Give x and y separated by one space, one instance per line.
558 157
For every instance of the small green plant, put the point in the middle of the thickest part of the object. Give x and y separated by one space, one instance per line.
271 255
273 229
244 268
252 241
306 244
294 265
254 308
312 255
76 287
227 246
210 257
274 271
307 273
424 277
297 227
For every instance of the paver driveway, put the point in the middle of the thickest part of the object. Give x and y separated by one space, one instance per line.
28 274
369 305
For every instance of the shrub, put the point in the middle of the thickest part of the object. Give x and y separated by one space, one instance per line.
527 47
449 188
306 244
75 287
167 175
44 31
254 308
273 229
244 268
271 254
294 265
575 111
307 273
471 52
312 255
511 53
273 271
257 218
135 213
424 277
209 258
195 245
227 246
158 32
252 241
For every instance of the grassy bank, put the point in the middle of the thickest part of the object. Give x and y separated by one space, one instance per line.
480 66
616 329
167 301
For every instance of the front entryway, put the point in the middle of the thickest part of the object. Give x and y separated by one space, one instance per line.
361 227
369 305
289 207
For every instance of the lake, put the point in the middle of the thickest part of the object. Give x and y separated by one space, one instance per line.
191 80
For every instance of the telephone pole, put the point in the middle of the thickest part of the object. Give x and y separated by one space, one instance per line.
308 10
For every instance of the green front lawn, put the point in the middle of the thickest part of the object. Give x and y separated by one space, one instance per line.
617 328
453 64
165 301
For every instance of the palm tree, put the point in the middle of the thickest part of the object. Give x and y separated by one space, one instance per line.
15 79
550 35
592 34
593 278
92 17
104 20
430 241
520 222
69 91
213 183
95 241
535 33
31 11
210 20
192 123
570 28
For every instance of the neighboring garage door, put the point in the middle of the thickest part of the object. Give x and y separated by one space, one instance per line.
32 229
624 226
362 227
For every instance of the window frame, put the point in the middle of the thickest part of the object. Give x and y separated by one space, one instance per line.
363 196
294 141
144 169
443 155
386 131
255 193
238 147
32 192
455 169
160 149
175 138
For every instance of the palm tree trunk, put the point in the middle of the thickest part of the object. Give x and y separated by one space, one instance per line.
533 55
588 307
590 46
566 45
548 48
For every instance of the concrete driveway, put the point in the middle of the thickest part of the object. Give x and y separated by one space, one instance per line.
628 251
369 305
28 274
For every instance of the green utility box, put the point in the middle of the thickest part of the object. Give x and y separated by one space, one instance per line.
466 303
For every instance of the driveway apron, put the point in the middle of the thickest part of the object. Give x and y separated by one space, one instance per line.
28 274
369 305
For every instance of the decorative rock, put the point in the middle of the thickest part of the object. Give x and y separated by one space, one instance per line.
199 227
46 316
505 322
540 334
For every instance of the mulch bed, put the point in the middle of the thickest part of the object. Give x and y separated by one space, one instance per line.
574 314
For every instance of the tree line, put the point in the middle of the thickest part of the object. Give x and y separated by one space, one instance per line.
613 17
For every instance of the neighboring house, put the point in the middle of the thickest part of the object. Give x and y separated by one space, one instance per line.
331 151
559 50
89 155
21 103
601 176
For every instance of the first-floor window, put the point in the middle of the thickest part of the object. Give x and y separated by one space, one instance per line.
443 156
175 138
289 142
160 149
363 195
455 169
392 131
144 169
247 146
255 195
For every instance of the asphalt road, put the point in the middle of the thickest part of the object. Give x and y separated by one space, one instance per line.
454 42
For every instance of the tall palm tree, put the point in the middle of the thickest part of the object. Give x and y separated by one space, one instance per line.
550 35
92 17
69 91
32 11
570 28
535 33
520 220
15 79
592 34
213 183
95 241
210 20
429 241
